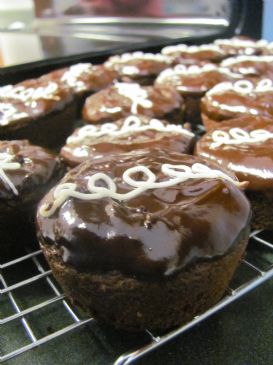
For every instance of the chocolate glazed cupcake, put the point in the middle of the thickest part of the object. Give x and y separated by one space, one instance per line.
227 101
144 240
245 147
82 79
192 83
27 172
123 99
42 112
126 135
138 66
194 55
251 67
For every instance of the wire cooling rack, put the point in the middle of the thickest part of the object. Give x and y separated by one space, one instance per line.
29 292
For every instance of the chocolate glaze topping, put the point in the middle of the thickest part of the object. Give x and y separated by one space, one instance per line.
251 67
102 106
75 152
138 64
82 77
29 100
152 235
38 167
251 162
241 46
195 80
225 104
192 55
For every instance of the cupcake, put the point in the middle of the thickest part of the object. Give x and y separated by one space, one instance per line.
244 146
229 100
192 55
123 99
138 66
126 135
193 82
42 112
146 239
82 79
237 46
27 172
251 67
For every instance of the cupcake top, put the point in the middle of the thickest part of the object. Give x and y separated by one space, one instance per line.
194 54
230 100
82 77
138 64
256 67
24 169
146 213
245 147
195 79
29 100
125 135
241 46
123 99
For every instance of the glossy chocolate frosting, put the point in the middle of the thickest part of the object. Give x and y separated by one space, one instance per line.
165 100
192 55
30 100
241 45
39 167
195 80
138 64
221 104
252 67
82 77
252 162
90 148
152 235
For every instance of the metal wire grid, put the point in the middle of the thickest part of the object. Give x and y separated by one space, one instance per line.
259 275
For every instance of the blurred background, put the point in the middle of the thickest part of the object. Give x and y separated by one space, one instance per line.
33 30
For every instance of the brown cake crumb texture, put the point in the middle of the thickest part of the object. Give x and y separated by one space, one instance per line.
262 210
134 304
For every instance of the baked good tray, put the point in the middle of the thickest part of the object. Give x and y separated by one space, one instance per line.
35 313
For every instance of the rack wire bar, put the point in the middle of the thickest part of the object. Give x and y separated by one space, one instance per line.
34 260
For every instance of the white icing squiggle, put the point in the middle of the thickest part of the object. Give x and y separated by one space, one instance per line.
130 125
71 76
237 42
136 94
181 70
30 95
234 60
239 136
176 173
7 164
243 87
8 113
191 49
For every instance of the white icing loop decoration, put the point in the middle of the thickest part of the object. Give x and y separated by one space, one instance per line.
136 56
130 125
72 75
8 112
237 136
181 70
244 87
136 93
7 164
244 58
30 95
176 173
191 49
